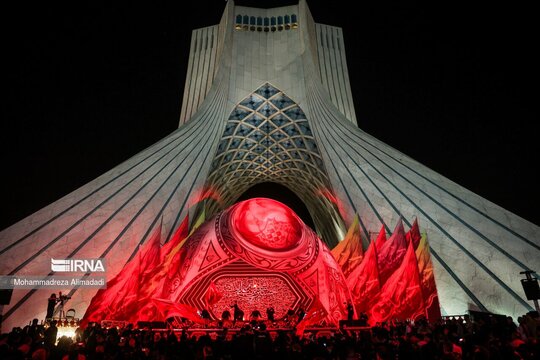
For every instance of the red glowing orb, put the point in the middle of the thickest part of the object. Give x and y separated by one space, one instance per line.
268 224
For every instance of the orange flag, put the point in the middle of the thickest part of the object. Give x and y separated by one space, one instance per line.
180 234
392 253
349 252
414 234
199 221
401 296
381 239
364 281
427 280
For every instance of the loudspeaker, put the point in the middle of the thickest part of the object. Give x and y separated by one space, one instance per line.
5 296
531 288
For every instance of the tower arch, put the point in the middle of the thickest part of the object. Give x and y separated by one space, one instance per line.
267 138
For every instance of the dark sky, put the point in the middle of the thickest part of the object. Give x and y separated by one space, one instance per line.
454 86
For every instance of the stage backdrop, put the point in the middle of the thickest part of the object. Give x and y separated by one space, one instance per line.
257 253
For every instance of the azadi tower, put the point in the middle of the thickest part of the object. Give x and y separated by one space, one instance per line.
267 99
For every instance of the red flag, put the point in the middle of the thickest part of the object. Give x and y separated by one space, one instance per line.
401 296
315 314
154 284
414 234
392 253
150 253
169 309
381 239
180 234
152 287
427 280
364 281
349 252
212 295
120 298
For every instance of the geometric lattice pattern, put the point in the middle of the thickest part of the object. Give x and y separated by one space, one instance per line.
267 138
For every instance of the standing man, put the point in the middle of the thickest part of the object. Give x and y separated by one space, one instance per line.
50 335
51 303
270 313
237 314
350 311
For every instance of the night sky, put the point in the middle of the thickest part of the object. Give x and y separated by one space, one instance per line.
454 87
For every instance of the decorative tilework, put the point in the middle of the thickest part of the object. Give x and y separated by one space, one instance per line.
274 143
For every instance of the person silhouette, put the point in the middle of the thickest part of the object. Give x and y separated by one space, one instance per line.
238 314
350 311
51 304
270 313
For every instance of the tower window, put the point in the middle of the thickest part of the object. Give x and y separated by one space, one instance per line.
266 24
238 24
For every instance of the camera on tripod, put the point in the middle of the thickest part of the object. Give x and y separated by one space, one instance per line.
62 297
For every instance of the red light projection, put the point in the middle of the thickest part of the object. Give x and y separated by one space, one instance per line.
330 196
259 253
268 224
204 194
255 293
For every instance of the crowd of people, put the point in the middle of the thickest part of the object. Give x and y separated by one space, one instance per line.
487 337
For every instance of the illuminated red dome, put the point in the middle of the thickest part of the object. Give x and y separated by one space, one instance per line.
267 224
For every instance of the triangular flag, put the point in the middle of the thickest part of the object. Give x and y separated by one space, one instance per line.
414 234
180 234
212 295
401 296
381 239
349 252
427 280
200 220
392 253
151 256
364 281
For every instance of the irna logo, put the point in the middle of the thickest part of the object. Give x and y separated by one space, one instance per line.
78 265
